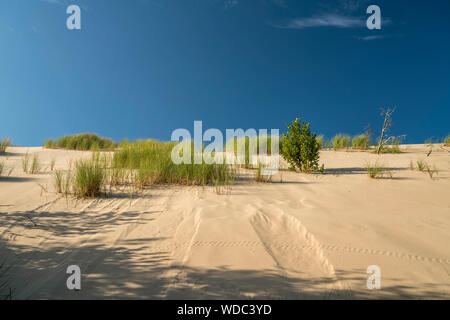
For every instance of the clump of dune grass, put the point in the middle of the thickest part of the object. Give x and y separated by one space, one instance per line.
378 171
4 144
89 177
2 166
393 147
424 167
320 140
136 165
260 176
431 171
152 163
83 141
118 177
50 144
340 141
421 165
224 179
25 162
63 182
447 141
35 166
260 147
360 142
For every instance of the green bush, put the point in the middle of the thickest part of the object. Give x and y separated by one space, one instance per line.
300 147
340 141
360 142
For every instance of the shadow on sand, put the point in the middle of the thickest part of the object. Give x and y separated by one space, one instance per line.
114 271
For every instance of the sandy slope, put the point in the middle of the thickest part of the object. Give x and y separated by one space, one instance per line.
311 236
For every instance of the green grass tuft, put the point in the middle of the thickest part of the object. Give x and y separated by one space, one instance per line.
4 144
340 141
378 171
152 161
447 141
361 142
421 165
25 162
35 164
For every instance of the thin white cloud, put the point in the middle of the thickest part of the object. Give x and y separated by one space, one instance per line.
280 3
228 4
370 38
353 5
326 20
52 1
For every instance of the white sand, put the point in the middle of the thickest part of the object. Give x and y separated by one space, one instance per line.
312 236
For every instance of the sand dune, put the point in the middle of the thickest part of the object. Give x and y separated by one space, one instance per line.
307 237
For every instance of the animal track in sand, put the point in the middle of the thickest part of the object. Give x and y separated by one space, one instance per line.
289 246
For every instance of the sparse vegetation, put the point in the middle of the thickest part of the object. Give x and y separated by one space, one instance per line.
421 165
387 124
83 141
4 144
233 145
63 182
424 167
89 177
260 176
320 141
393 147
340 141
153 164
361 142
378 171
300 147
35 164
50 144
447 141
137 165
25 162
2 166
431 171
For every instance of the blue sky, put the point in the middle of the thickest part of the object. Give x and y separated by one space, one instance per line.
142 68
